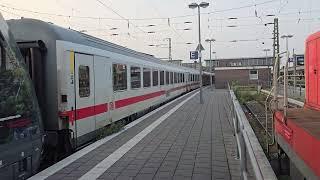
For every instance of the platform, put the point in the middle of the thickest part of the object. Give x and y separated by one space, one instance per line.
180 140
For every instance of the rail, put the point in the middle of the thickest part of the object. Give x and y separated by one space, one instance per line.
250 152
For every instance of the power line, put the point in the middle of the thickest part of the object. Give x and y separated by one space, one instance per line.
159 18
108 7
133 19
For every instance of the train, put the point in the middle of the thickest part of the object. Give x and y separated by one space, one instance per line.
59 87
297 129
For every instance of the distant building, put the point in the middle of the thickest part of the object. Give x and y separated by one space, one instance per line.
177 62
243 71
240 62
194 65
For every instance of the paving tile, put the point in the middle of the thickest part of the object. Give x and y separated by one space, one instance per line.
194 142
182 178
183 172
144 176
116 169
56 177
129 172
148 170
164 175
202 170
124 178
109 176
201 177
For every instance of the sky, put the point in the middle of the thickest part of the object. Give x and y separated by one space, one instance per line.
145 25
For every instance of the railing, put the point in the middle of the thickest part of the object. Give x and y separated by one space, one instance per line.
250 152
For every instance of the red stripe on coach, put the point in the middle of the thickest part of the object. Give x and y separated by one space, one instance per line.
102 108
91 111
126 102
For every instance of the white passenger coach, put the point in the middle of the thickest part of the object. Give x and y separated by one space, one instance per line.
84 83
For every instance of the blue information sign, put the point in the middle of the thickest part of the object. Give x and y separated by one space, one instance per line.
194 54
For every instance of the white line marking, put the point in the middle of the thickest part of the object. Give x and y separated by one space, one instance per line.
70 159
104 165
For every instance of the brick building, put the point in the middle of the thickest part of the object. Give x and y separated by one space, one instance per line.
244 71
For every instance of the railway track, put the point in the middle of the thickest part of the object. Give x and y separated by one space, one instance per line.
257 111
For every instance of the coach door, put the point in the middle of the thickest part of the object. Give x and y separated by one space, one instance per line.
103 90
84 101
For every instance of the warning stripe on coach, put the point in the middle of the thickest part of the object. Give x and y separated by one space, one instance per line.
83 113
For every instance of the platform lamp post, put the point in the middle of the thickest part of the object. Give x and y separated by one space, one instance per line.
213 67
210 41
267 50
200 48
285 74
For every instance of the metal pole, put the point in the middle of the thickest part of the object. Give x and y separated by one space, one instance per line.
200 63
170 55
285 93
275 81
294 73
210 68
268 79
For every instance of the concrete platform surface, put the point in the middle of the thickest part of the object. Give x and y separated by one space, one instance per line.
181 140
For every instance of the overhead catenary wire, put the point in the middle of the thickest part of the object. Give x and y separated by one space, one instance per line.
145 19
133 19
174 20
129 22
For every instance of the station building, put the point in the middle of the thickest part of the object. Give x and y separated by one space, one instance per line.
243 71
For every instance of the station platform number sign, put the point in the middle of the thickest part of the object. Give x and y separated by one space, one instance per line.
194 55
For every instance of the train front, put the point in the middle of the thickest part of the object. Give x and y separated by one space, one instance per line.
20 128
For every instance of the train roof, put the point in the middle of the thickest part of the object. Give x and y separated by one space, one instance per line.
41 29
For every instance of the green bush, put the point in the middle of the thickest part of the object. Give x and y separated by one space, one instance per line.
246 93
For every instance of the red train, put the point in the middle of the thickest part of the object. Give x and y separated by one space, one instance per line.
298 133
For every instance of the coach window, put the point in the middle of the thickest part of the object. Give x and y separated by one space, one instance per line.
161 77
155 78
171 77
84 81
183 80
167 77
135 77
146 77
119 77
175 78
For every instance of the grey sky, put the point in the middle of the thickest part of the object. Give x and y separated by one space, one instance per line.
214 25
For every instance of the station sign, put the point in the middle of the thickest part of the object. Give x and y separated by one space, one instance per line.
300 60
194 55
